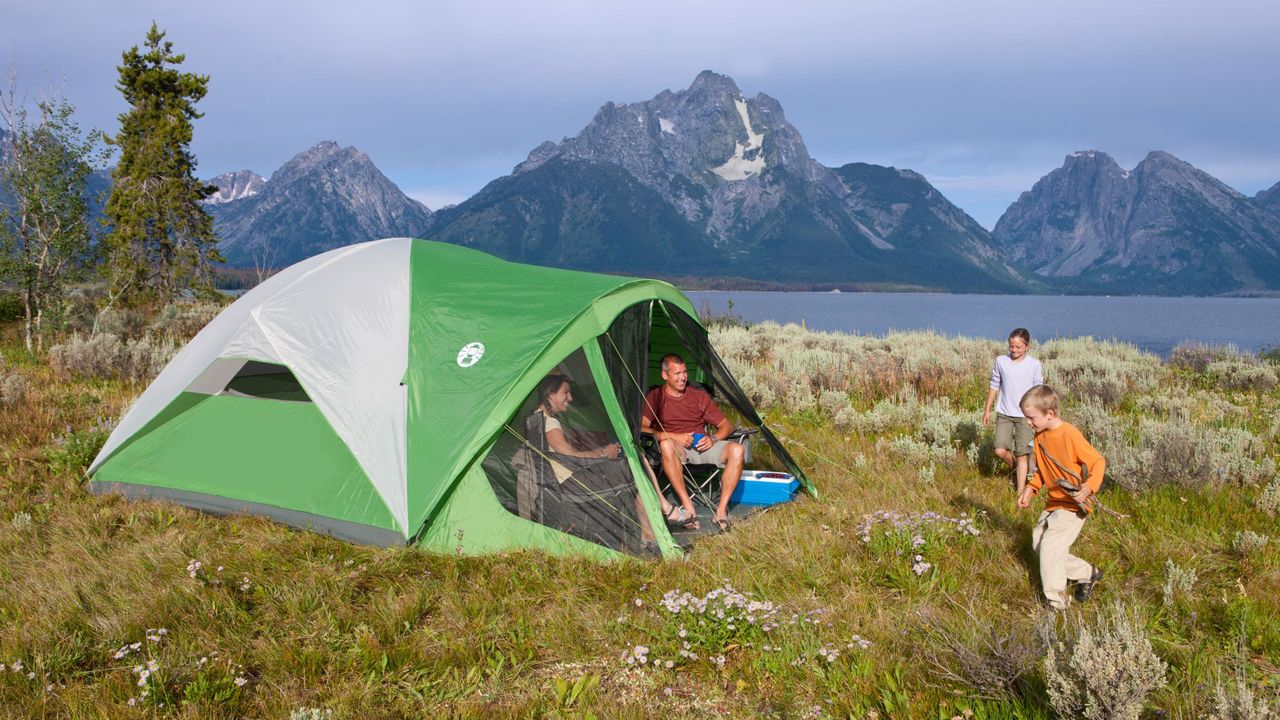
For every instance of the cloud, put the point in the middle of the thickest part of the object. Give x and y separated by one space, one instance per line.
977 95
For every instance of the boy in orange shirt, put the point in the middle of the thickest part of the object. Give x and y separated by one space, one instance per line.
1061 454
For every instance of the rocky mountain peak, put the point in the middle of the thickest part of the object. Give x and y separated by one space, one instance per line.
323 197
234 186
705 180
1088 159
714 84
1161 168
325 155
1164 226
1269 199
707 150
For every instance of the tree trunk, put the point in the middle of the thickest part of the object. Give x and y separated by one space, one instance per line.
26 307
39 333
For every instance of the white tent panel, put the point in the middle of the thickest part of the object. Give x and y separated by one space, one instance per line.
346 340
346 343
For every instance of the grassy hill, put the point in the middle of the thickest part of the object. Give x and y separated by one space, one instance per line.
814 609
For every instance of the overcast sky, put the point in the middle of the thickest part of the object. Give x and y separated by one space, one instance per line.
983 97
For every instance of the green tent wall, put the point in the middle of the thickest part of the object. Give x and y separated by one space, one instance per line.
397 406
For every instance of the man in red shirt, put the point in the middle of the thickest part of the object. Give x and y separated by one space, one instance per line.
674 413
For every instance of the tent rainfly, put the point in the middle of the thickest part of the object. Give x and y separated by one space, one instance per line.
381 393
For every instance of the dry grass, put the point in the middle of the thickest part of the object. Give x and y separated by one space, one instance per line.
372 633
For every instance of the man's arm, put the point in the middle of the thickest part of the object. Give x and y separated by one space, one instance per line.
724 429
681 439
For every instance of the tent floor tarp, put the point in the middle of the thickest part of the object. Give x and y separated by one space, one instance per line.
707 526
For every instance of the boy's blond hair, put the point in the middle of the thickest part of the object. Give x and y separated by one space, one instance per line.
1040 397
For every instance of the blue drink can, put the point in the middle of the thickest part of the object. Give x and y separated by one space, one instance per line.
697 438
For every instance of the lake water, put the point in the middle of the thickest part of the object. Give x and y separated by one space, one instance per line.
1155 324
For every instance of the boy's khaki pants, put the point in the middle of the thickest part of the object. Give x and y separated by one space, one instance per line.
1051 538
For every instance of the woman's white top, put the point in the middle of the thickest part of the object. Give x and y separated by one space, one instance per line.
1013 380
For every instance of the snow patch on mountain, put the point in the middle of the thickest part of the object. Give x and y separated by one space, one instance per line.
747 159
234 186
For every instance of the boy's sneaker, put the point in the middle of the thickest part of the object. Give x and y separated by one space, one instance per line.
1085 589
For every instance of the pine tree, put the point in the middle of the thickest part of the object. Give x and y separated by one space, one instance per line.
44 223
161 241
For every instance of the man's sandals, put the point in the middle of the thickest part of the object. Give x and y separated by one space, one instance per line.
723 524
679 518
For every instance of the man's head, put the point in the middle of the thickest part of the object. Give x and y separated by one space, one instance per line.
1040 407
674 372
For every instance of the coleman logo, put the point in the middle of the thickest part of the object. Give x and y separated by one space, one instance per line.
470 354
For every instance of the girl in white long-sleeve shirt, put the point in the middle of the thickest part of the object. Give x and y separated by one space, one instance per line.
1013 375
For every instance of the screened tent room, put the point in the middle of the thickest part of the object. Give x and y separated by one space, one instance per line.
600 499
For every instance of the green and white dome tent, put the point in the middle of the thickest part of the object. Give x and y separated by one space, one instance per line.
379 393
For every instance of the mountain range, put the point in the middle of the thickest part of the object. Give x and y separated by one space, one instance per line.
705 181
1163 227
708 183
324 197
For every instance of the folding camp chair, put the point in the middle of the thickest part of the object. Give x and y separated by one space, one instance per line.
699 478
596 503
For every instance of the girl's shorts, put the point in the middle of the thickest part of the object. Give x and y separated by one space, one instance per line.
1013 433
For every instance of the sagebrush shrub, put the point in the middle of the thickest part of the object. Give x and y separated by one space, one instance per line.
932 422
910 451
990 657
846 418
1248 542
184 320
107 356
94 356
864 365
887 414
20 521
13 388
1199 406
120 322
1103 370
147 356
1226 366
1269 499
1196 357
832 402
1239 703
735 343
1104 670
1168 453
1243 374
937 424
1105 431
1178 581
761 393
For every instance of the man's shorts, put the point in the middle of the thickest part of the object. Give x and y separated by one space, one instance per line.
712 456
1013 433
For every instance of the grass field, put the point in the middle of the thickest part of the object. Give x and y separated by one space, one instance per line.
907 591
